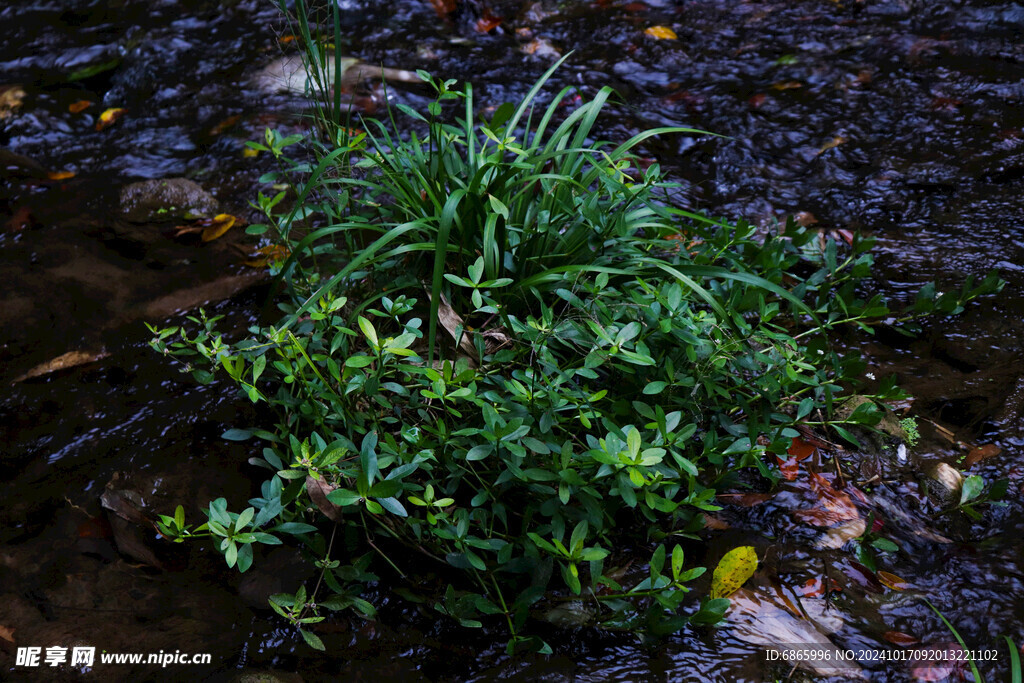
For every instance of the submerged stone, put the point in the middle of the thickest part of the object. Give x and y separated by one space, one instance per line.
155 201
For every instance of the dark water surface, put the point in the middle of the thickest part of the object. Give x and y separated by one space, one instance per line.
901 118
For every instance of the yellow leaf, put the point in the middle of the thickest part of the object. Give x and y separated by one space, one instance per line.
60 175
220 224
834 142
249 152
735 567
108 117
270 255
892 581
661 33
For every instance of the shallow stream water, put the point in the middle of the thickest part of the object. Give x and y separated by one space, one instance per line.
900 118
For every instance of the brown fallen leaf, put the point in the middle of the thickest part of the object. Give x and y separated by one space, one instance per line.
712 522
787 85
64 361
318 490
451 322
901 639
744 499
804 219
79 106
60 175
837 537
979 453
110 117
7 634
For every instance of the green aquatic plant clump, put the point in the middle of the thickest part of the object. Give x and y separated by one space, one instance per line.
507 359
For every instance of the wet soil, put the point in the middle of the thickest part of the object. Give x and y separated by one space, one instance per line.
901 118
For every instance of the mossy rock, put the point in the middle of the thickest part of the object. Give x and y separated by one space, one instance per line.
157 201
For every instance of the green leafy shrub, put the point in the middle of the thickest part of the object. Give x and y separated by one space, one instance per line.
609 361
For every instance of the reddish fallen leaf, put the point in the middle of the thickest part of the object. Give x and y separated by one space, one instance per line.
60 175
812 588
819 517
488 22
443 7
65 361
901 639
635 7
800 449
284 40
661 33
110 117
21 219
79 106
788 468
744 499
989 450
833 500
757 100
225 124
805 218
95 527
892 581
863 577
877 525
845 235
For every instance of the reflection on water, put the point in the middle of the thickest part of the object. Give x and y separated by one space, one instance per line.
897 117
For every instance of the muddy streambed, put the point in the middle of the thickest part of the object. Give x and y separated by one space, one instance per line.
901 118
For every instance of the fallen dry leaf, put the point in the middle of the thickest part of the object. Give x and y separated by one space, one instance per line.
901 639
712 522
787 85
661 33
834 142
65 361
21 219
273 254
79 106
7 634
892 581
979 453
11 98
744 499
443 7
488 22
225 124
60 175
763 620
804 218
318 490
110 117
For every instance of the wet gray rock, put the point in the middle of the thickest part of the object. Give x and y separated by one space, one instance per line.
155 201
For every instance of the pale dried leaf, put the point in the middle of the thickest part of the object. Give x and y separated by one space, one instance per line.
64 361
760 620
